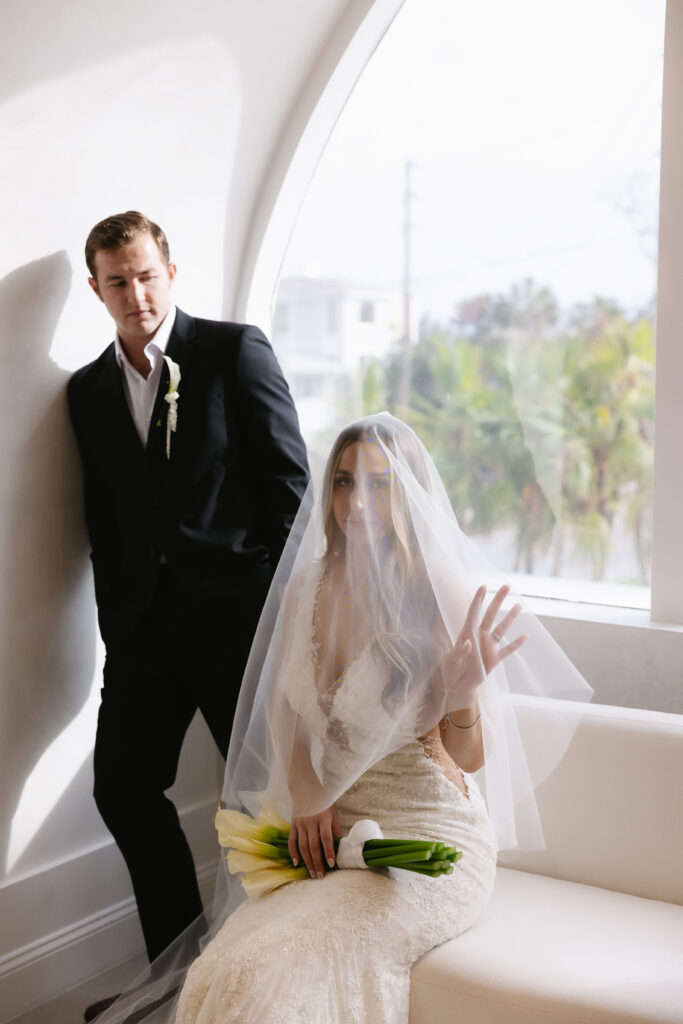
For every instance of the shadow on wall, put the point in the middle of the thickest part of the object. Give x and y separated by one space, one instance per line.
47 624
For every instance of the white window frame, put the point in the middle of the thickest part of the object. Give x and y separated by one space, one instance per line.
667 555
340 65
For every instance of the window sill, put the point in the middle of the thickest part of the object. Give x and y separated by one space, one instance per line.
587 601
613 615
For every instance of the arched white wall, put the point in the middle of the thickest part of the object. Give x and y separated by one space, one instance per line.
192 113
309 124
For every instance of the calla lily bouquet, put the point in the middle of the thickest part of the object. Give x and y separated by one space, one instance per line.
258 850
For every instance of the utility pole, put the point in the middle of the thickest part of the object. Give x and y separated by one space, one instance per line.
406 340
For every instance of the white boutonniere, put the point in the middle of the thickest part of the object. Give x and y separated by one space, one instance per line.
171 398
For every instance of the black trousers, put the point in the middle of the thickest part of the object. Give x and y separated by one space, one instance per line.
181 658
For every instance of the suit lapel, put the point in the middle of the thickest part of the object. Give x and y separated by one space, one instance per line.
156 437
180 346
114 409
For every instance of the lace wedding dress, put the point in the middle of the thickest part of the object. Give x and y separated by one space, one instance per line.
339 950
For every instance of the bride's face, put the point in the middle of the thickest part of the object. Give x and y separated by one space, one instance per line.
361 492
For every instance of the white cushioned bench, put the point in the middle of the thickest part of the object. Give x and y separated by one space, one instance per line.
591 928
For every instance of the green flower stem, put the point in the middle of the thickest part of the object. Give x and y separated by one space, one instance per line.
399 859
431 872
399 851
422 844
271 852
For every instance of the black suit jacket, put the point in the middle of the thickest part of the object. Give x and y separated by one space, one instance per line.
220 508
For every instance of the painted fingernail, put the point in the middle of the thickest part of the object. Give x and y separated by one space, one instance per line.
330 861
295 861
321 874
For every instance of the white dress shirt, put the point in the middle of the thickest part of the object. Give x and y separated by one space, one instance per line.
141 393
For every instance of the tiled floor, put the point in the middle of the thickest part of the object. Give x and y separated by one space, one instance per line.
68 1008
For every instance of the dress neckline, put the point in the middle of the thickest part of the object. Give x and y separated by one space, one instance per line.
326 698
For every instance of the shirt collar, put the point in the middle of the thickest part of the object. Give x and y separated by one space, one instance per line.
156 344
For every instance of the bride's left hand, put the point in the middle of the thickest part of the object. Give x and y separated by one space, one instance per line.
461 667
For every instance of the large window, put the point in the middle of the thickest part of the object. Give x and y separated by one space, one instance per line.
491 193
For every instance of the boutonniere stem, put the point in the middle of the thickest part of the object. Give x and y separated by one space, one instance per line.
171 397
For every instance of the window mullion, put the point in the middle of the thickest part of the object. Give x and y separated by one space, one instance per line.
667 558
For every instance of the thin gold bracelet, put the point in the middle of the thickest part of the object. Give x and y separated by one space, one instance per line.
455 725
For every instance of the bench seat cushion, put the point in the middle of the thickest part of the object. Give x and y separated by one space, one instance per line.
550 951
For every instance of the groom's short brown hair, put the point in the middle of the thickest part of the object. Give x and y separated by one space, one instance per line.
122 229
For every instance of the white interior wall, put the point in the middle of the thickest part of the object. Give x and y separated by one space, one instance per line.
206 119
176 110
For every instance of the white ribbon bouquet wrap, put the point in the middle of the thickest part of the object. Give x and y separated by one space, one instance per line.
350 849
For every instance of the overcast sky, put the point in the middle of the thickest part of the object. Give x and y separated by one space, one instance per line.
534 127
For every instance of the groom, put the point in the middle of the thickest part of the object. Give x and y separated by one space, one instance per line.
194 468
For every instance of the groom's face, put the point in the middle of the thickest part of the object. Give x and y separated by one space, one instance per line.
134 283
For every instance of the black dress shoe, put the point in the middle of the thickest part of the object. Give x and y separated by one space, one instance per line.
95 1009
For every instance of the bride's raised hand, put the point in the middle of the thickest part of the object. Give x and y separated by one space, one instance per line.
461 667
312 838
492 633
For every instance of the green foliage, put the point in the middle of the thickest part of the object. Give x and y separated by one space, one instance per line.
372 391
540 427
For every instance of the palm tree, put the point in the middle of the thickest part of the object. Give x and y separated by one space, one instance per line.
545 430
608 412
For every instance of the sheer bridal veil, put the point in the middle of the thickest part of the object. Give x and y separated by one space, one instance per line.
377 582
378 586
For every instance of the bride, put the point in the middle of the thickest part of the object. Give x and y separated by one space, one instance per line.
382 678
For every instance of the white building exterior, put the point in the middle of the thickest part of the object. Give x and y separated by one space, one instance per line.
325 331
